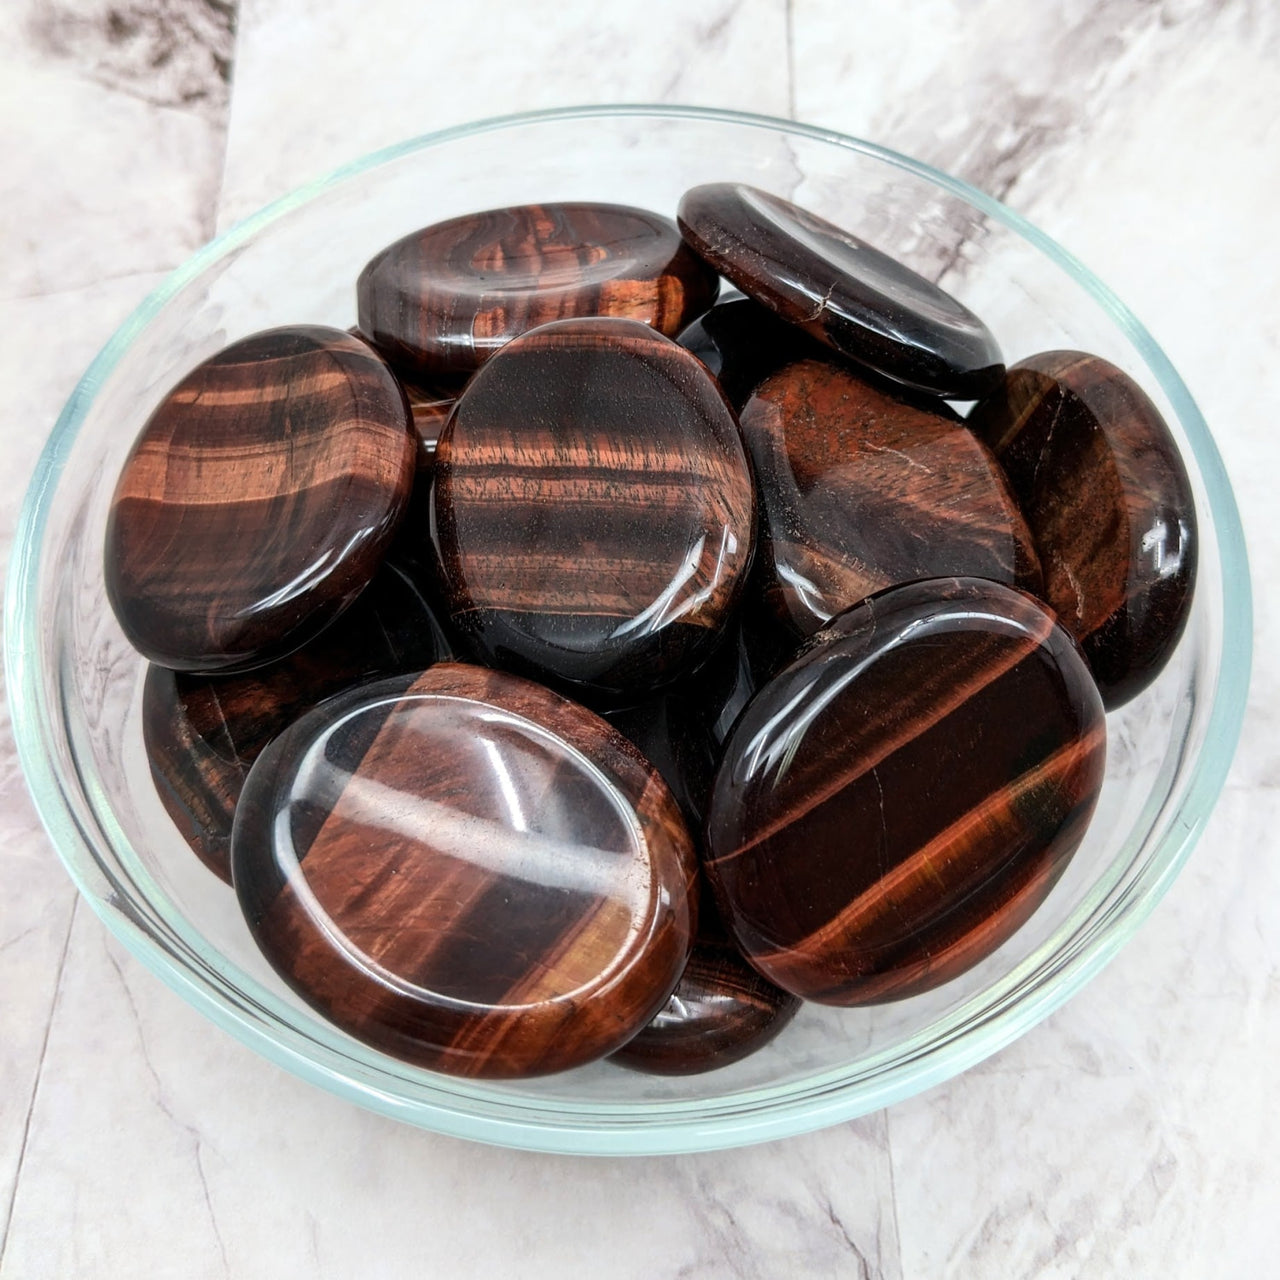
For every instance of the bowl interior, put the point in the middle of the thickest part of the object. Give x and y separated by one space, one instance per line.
76 682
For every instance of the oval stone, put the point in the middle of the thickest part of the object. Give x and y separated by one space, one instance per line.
841 290
444 299
721 1011
592 508
258 500
203 732
1103 487
468 872
899 800
863 488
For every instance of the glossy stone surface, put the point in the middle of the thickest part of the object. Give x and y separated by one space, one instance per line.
203 732
444 299
841 290
258 500
468 872
742 343
1098 476
721 1011
901 798
862 489
592 508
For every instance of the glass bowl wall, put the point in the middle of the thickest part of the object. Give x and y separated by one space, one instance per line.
75 682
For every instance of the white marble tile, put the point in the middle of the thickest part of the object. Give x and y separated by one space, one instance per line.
1134 1133
320 82
159 1146
111 167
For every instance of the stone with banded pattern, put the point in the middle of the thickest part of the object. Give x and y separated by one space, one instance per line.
721 1011
863 488
444 299
258 500
1103 487
841 290
469 872
203 732
592 508
901 798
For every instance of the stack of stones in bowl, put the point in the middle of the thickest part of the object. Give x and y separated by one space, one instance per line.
566 664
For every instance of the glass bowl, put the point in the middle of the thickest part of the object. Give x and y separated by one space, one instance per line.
75 683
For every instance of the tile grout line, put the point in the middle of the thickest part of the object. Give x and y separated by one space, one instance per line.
35 1085
893 1190
216 201
791 59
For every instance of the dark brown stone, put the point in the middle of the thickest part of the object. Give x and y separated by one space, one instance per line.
721 1011
203 732
468 872
863 488
258 500
444 299
1102 485
742 343
901 798
841 290
592 508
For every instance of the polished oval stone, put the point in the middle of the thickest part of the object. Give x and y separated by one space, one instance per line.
899 800
467 871
863 488
742 343
203 732
444 299
841 290
258 500
1099 477
721 1011
592 508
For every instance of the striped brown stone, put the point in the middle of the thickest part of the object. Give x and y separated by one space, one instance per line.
203 732
1099 477
721 1011
467 871
841 290
901 798
592 508
444 299
258 499
863 488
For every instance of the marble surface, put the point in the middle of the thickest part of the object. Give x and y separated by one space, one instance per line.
1134 1132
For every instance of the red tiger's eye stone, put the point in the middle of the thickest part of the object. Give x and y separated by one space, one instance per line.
863 488
841 290
592 509
444 299
895 803
467 871
1099 478
259 499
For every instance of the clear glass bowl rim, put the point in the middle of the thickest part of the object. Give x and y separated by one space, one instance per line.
622 1129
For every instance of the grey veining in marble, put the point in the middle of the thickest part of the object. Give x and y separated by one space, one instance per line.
170 53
